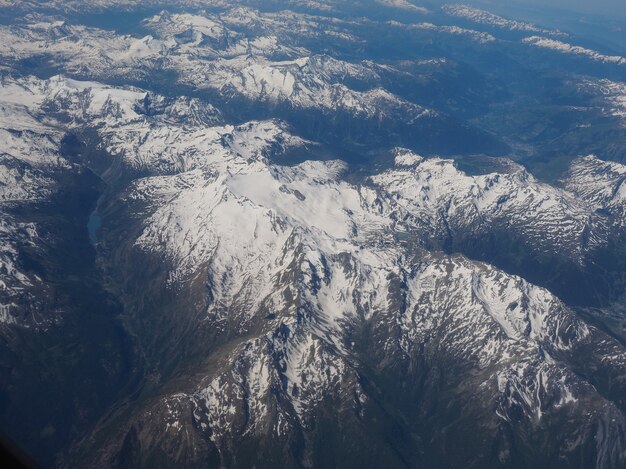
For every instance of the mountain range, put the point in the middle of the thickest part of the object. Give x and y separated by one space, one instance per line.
310 234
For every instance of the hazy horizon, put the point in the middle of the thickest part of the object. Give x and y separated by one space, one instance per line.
614 8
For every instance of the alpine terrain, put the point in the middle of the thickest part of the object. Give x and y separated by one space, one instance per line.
312 234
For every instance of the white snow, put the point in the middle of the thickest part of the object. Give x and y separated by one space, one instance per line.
566 48
403 5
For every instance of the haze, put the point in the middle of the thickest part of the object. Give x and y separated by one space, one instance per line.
614 8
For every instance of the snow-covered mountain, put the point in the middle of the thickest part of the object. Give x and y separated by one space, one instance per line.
601 184
566 48
293 235
306 259
440 201
487 18
315 257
